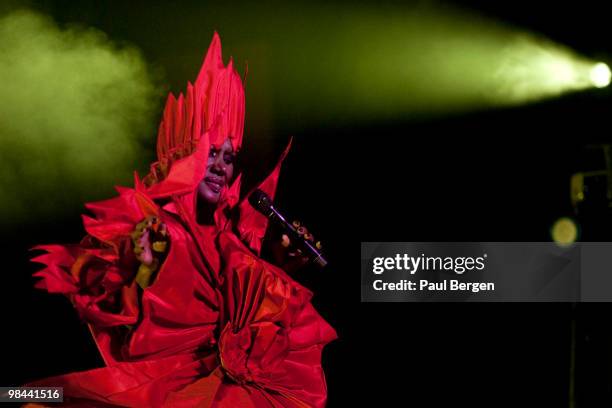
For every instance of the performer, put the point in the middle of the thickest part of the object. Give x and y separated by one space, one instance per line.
182 308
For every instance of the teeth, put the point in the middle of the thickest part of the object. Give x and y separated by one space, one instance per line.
216 186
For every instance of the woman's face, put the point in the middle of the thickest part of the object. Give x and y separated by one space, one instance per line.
219 172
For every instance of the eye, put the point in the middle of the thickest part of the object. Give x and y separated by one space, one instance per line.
229 158
213 152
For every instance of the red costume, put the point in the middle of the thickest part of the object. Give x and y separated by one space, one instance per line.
219 326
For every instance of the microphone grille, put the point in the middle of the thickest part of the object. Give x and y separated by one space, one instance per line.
260 201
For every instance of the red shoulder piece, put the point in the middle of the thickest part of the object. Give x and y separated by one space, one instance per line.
252 224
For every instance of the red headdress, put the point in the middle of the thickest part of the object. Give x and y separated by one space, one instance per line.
212 110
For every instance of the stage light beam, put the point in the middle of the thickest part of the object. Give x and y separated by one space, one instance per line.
600 75
413 62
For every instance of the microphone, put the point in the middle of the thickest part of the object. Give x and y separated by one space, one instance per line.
263 203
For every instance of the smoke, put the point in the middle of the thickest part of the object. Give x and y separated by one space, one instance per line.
74 111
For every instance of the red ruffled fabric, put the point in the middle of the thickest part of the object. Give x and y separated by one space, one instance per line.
237 331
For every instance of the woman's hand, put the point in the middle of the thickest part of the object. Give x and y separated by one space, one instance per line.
287 255
150 240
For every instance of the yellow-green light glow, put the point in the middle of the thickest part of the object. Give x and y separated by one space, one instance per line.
533 68
395 62
564 231
600 75
75 108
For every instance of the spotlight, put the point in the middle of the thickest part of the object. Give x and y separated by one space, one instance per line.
564 232
600 75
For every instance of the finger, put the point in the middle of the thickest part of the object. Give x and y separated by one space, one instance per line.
295 254
144 239
285 242
308 236
296 224
147 255
135 235
143 249
163 230
142 226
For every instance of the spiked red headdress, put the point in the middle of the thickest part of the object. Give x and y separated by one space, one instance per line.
211 111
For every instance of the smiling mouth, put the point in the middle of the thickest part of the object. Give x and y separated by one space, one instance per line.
215 185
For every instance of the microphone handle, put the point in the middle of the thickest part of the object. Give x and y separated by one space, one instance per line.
304 244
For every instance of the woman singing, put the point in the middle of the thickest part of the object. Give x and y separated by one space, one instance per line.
170 282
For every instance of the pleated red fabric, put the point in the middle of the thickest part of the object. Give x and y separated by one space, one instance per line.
219 326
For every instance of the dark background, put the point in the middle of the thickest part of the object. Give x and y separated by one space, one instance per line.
501 175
